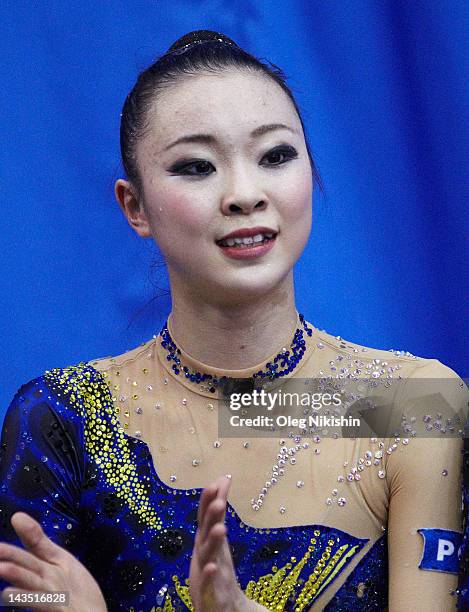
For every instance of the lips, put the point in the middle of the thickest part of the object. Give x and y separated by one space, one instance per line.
248 231
247 247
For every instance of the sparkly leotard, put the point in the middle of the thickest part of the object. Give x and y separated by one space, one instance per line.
111 456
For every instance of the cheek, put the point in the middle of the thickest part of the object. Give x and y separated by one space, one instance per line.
177 211
297 196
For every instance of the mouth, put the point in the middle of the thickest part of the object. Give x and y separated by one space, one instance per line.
248 247
248 242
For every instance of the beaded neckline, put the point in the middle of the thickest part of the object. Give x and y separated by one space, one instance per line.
281 365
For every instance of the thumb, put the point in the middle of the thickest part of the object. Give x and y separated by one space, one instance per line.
34 539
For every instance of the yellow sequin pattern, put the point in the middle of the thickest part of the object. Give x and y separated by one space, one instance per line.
105 440
273 590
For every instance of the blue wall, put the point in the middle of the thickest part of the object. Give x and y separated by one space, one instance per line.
384 90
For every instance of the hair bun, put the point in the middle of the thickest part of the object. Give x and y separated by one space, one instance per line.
199 36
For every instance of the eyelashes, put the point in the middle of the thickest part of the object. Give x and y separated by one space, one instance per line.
200 167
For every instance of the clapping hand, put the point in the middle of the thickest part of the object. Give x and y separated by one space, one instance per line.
213 584
43 566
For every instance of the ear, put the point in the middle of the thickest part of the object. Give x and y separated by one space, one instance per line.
132 208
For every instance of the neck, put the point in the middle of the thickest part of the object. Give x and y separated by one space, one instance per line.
234 336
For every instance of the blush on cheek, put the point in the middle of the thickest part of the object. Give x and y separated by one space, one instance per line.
298 197
183 209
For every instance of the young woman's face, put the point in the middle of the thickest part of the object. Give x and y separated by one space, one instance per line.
225 153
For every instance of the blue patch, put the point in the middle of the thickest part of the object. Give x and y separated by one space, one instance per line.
440 550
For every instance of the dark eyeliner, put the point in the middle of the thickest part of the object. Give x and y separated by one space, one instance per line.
180 167
287 150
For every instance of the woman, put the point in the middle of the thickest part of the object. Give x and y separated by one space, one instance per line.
111 456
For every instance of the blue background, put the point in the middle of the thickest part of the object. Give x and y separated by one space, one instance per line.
383 87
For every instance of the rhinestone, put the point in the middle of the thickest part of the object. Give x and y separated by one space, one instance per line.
293 460
444 473
282 509
340 479
334 491
172 478
184 401
210 406
381 474
139 410
138 434
341 501
149 388
273 480
191 430
195 462
328 501
317 451
300 484
246 445
157 406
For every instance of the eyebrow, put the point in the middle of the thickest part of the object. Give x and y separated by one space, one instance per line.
209 139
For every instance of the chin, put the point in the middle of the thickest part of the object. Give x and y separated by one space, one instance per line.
249 285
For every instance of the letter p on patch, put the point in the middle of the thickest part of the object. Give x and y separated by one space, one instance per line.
440 550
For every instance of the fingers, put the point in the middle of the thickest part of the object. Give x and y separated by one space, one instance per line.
18 556
20 577
212 507
34 539
211 548
208 495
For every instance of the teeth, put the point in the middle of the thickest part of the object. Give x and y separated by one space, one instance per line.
248 240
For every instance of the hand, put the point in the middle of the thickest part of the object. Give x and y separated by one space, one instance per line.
212 578
45 566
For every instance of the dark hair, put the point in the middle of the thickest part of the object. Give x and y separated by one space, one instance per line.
201 50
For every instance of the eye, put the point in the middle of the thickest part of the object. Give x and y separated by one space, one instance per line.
197 167
280 155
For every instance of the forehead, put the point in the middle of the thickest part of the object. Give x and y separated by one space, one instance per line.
231 103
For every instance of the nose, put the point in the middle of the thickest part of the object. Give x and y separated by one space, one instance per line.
243 195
